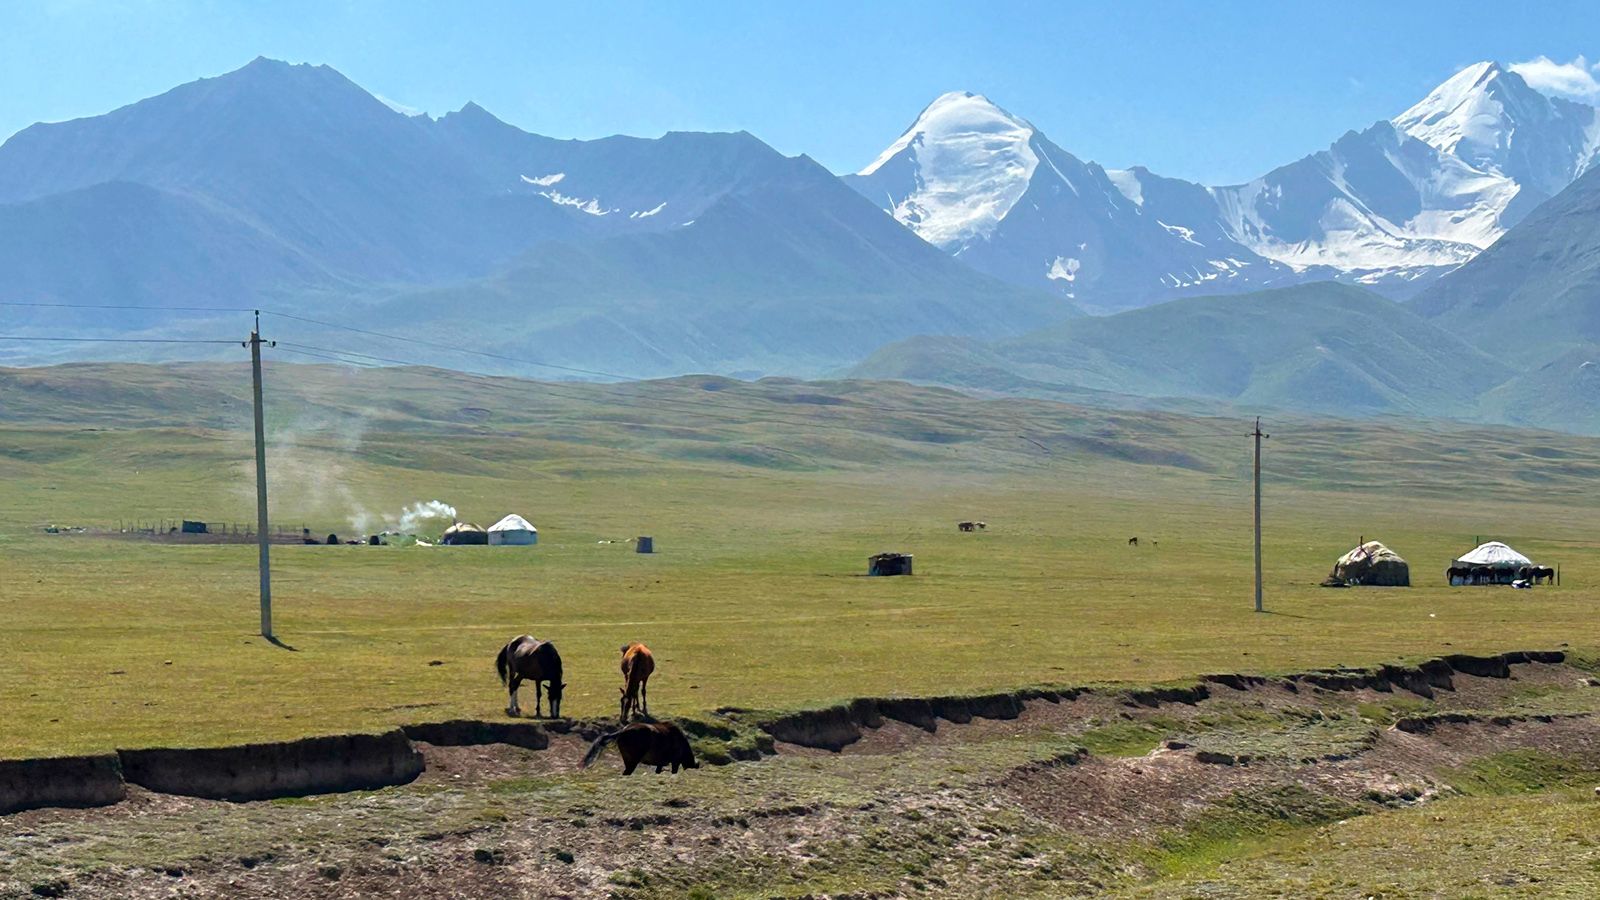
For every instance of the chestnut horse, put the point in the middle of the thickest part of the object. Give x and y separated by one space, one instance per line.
637 664
659 744
526 658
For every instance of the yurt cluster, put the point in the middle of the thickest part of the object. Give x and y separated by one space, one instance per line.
1370 563
511 531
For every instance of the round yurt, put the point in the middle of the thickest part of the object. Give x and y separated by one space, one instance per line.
463 533
1371 564
513 530
1491 563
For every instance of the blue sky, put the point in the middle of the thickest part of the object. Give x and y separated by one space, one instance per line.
1216 92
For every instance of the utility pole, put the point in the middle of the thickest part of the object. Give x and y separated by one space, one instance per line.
1258 436
262 538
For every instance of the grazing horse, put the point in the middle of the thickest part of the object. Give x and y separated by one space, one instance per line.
659 744
966 526
637 664
526 658
1544 573
981 525
1133 542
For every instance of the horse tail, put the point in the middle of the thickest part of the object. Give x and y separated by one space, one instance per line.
502 663
597 748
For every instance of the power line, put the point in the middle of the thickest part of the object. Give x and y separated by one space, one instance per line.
539 364
244 309
698 403
84 340
438 345
740 415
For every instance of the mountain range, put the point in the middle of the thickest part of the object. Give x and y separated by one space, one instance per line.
1512 336
291 188
1391 207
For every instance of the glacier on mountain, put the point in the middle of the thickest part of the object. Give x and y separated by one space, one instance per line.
1390 206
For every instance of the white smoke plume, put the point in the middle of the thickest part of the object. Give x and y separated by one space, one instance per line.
409 520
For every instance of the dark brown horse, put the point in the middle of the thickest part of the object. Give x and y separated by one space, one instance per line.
527 658
966 526
659 744
637 664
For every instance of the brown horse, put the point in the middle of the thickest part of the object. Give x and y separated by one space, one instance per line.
966 526
659 744
637 664
526 658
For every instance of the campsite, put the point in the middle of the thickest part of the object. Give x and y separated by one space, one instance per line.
401 636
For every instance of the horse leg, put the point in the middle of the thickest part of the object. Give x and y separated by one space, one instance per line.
538 697
644 696
659 768
628 765
512 709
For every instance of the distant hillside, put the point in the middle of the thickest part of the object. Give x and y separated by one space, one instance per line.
1535 294
790 272
1563 393
1325 348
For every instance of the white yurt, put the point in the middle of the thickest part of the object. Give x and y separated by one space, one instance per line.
1502 561
513 530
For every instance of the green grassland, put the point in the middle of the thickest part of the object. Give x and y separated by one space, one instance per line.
764 500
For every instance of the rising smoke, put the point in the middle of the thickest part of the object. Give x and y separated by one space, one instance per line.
411 520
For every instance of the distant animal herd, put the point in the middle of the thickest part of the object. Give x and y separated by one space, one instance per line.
1465 575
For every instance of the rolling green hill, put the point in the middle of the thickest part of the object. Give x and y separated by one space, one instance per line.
1325 348
1535 294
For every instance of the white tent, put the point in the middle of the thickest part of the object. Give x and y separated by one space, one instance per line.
1495 555
513 529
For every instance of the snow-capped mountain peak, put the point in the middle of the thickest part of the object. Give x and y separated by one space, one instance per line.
956 172
1394 204
1489 118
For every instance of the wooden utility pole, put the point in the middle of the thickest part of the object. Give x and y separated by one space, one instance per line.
1258 436
263 539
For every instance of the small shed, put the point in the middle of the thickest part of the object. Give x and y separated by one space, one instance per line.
889 564
191 527
1371 564
513 530
644 544
464 533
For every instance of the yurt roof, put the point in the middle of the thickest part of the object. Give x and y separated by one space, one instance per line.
1494 553
1372 550
513 522
462 526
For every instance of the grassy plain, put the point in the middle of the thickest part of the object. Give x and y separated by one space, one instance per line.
764 501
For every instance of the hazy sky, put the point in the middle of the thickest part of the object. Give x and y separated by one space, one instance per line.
1216 92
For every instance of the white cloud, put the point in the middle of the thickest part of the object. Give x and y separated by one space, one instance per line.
1576 79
